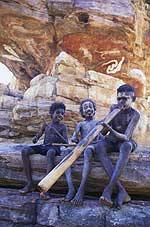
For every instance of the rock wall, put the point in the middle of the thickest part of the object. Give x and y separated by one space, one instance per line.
107 42
69 82
110 37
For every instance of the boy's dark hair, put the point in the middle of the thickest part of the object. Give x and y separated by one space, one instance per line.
55 106
127 88
81 105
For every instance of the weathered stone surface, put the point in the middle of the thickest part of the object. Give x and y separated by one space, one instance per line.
66 64
25 115
103 86
76 93
29 211
135 177
107 36
42 87
142 131
17 210
138 80
6 116
3 87
92 214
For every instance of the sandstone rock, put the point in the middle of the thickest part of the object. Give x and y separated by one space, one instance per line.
29 211
41 87
24 117
6 116
16 210
92 214
71 89
84 38
137 78
66 64
135 177
3 87
142 130
75 93
102 87
100 35
6 90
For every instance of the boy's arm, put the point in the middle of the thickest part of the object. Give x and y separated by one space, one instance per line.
106 129
39 134
132 125
65 134
76 134
129 130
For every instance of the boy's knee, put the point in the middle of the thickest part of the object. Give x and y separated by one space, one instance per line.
51 153
127 146
25 151
66 152
102 146
87 153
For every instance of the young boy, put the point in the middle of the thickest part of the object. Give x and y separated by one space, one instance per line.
87 110
54 132
119 139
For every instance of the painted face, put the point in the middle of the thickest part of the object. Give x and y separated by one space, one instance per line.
58 115
88 109
125 99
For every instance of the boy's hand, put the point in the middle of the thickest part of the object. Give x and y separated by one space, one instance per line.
34 139
107 126
74 140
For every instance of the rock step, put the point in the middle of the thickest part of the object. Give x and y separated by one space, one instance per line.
135 177
30 211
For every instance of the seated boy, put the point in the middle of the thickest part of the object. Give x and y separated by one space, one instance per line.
87 110
119 139
54 132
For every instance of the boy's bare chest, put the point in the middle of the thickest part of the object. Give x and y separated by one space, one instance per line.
87 126
121 122
53 129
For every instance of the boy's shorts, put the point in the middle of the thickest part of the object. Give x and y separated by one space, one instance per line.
42 149
115 146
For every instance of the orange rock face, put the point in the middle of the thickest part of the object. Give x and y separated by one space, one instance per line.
106 36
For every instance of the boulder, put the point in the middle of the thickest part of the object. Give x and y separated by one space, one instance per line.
135 177
30 211
41 87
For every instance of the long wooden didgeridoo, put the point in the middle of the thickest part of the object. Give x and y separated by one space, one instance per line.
47 182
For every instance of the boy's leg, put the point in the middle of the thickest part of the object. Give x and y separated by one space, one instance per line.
51 153
71 189
101 155
78 199
125 150
26 152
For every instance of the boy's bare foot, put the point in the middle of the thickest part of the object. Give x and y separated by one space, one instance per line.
69 196
78 199
27 189
105 199
122 197
44 195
